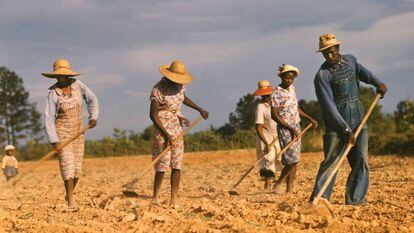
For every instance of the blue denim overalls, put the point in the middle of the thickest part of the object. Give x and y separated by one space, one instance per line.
345 88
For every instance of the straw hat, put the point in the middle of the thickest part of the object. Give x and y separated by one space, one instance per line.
327 41
61 67
176 72
286 68
9 147
264 88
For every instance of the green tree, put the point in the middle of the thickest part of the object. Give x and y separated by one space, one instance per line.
148 133
404 116
244 116
19 118
313 109
378 123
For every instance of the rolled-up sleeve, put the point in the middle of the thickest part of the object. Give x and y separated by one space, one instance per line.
326 101
91 101
50 117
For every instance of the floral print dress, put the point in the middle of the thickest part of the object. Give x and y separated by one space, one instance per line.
170 98
287 103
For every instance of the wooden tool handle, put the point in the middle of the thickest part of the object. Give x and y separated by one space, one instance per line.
165 151
280 152
346 151
50 154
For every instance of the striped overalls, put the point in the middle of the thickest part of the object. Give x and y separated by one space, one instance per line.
68 123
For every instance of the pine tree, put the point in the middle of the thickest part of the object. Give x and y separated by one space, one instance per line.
19 118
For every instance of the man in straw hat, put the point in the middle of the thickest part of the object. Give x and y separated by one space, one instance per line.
286 112
337 89
63 119
167 97
266 134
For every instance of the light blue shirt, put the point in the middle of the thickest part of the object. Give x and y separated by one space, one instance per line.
52 107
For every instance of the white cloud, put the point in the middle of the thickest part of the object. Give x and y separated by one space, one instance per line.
102 80
387 42
227 45
148 59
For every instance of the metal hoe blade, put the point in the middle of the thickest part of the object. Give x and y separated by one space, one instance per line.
130 192
234 193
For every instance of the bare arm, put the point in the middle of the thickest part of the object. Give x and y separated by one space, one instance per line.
312 121
259 131
194 106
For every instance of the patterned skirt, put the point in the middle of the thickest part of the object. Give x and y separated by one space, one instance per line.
292 155
174 158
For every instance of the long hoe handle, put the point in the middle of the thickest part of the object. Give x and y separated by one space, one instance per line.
346 151
281 152
165 151
50 154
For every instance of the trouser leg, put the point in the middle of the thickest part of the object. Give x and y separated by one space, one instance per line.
333 146
358 180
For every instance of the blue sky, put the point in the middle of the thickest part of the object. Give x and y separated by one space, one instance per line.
227 45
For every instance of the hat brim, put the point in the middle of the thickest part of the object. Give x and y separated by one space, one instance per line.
329 45
263 91
59 73
289 70
177 78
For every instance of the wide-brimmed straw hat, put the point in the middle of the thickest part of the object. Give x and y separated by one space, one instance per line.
176 72
286 68
61 67
264 88
327 41
9 147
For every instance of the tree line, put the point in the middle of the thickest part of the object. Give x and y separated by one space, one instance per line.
20 124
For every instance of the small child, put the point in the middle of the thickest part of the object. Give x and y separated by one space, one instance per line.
286 112
266 134
9 163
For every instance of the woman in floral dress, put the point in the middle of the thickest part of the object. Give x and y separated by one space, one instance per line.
167 97
286 112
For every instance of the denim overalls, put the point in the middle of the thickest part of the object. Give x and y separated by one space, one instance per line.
345 88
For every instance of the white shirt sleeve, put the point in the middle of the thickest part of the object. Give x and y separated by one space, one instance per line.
91 101
260 111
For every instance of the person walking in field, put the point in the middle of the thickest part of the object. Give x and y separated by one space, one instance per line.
337 88
286 112
9 163
63 119
167 97
266 134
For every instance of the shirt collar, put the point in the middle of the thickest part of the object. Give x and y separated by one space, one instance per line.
341 62
59 90
283 89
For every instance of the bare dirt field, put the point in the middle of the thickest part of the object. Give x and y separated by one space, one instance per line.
36 204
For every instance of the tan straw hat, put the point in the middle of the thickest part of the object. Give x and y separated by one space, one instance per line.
286 68
176 72
264 88
61 67
327 41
